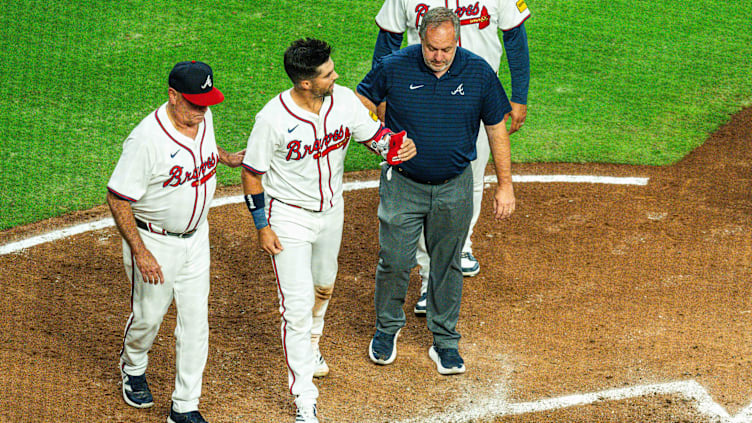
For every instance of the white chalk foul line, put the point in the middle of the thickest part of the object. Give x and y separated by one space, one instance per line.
350 186
690 390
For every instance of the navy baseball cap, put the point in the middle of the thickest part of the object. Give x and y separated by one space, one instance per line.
195 81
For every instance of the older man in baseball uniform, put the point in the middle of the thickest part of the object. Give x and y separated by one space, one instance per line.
292 178
159 195
481 21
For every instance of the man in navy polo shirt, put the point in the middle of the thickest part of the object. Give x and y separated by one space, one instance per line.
437 92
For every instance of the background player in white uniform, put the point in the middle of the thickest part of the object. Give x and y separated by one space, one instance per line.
292 178
159 195
480 21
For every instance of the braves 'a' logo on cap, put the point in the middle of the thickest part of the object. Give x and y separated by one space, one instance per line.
208 82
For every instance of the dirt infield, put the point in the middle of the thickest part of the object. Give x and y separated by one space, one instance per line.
641 295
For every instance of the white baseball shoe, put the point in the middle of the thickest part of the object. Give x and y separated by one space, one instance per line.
307 414
320 368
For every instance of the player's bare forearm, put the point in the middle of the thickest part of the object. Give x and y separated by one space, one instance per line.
230 160
368 103
498 139
122 213
381 111
267 239
251 182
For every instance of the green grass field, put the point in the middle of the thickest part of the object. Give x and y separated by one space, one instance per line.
619 82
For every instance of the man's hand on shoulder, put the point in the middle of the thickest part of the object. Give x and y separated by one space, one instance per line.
231 160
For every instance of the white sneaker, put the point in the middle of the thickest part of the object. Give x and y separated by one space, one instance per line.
468 263
320 368
307 414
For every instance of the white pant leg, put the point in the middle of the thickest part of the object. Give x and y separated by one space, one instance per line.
310 243
149 302
191 293
479 173
421 256
324 264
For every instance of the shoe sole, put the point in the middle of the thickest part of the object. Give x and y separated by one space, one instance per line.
471 273
419 311
133 404
391 358
321 371
443 370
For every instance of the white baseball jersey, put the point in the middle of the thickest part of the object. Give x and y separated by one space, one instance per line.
480 21
168 177
301 155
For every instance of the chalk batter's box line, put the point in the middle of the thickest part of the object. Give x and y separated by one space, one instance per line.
350 186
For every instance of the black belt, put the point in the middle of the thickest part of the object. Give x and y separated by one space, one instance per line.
153 229
419 180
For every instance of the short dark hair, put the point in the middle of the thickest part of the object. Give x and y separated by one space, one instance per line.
303 58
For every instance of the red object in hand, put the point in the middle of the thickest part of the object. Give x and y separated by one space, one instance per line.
395 143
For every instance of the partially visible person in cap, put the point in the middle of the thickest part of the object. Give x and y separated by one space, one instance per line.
159 195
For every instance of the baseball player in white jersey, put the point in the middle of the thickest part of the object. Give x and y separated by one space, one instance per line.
480 22
292 178
159 195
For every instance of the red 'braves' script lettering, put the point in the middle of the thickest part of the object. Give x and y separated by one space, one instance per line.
469 10
321 147
200 174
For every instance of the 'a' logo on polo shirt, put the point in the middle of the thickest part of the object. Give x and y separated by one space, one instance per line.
458 90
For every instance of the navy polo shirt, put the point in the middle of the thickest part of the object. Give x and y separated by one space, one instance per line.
441 115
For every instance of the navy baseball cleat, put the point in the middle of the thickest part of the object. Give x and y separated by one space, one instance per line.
383 347
189 417
470 266
448 360
420 306
136 391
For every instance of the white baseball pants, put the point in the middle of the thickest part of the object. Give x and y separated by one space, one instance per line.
185 266
306 268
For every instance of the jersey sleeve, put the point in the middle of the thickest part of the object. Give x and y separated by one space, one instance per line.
392 16
512 13
131 176
261 145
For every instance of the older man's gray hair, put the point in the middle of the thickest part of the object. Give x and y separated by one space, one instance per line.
437 16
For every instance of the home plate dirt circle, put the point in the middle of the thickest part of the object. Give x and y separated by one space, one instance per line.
595 302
